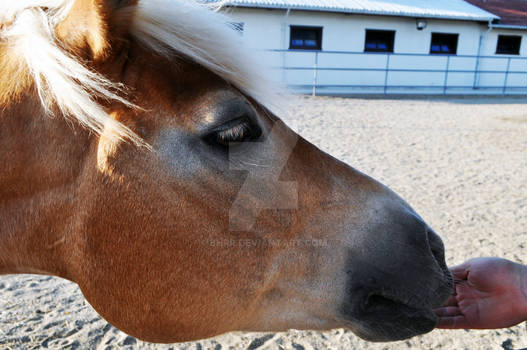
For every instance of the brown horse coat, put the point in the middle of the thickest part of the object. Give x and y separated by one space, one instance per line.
140 160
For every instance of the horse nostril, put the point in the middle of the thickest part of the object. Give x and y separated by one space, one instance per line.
377 301
436 247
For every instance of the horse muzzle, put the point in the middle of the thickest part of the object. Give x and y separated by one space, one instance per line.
392 296
386 318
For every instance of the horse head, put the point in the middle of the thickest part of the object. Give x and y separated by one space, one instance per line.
185 208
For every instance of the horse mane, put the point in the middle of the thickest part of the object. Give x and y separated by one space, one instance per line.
31 53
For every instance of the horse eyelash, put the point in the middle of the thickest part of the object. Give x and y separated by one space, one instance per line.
236 133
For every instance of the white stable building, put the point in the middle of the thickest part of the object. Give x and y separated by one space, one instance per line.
385 46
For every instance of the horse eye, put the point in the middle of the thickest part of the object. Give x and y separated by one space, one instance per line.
234 132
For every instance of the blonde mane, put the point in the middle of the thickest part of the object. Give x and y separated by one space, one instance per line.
170 27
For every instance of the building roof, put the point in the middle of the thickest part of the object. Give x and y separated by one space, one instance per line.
512 12
445 9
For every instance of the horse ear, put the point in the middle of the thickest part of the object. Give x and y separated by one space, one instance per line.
93 29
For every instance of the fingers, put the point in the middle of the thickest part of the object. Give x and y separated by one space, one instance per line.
451 301
466 291
452 322
460 272
448 311
450 317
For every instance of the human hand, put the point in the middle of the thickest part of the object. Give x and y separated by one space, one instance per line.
489 293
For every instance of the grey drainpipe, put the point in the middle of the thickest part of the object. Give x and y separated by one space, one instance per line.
284 29
481 39
284 42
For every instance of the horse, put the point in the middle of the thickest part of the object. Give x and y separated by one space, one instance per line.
143 159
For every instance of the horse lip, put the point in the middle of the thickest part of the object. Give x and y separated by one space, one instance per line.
407 309
395 320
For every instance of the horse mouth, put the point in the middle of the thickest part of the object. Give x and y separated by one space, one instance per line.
382 319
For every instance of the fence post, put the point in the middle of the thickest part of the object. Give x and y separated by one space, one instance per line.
315 73
445 82
386 74
505 81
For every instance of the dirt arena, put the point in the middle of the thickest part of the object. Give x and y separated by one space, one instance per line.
461 163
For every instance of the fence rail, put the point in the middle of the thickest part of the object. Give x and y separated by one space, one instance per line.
341 72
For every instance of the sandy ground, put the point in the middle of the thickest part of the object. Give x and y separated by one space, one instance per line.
461 163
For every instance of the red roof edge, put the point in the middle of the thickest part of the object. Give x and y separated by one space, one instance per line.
512 12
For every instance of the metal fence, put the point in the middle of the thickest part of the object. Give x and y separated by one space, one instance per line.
344 72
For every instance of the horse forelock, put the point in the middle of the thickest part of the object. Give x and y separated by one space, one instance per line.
31 53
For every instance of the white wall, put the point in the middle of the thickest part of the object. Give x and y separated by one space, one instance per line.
270 30
500 62
342 32
489 48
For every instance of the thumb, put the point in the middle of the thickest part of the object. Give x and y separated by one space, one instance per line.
460 272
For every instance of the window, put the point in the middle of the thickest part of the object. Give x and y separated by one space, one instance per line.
306 38
509 44
445 44
379 40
